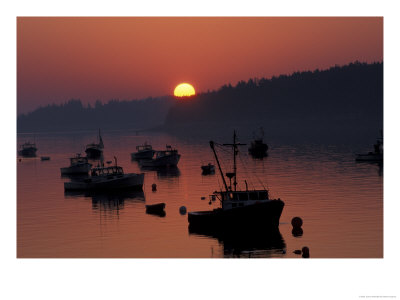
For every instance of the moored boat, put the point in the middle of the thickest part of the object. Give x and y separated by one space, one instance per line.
376 155
156 209
208 169
252 207
27 150
78 165
258 148
144 151
107 178
95 150
166 158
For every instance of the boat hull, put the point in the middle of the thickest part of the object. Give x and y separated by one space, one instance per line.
263 214
93 153
126 181
156 209
142 155
79 169
166 161
369 157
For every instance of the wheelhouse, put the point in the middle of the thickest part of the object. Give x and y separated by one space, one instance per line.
115 170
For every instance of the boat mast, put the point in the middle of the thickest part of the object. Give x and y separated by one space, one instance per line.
219 166
235 152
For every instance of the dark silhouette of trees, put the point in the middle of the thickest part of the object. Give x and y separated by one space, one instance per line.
335 100
73 115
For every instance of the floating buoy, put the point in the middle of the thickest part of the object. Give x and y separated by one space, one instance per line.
297 231
298 252
154 187
182 210
306 252
203 198
297 222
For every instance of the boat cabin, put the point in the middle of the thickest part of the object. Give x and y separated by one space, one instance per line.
234 199
115 170
167 152
144 147
28 145
78 160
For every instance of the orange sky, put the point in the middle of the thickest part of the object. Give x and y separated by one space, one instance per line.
132 58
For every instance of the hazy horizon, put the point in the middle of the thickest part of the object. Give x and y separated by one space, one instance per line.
134 58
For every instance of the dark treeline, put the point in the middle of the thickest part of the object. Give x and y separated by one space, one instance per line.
73 115
343 100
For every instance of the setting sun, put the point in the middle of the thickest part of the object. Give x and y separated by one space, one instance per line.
184 90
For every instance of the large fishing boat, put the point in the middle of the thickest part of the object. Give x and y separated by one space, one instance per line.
95 150
166 158
78 165
107 178
238 207
27 150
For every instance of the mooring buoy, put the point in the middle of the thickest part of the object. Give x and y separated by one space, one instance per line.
297 222
306 252
182 210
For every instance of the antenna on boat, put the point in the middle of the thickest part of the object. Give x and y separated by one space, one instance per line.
115 159
235 152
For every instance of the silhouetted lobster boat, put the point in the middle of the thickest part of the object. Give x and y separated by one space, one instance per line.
107 178
376 156
78 165
27 150
238 207
258 148
144 151
95 150
166 158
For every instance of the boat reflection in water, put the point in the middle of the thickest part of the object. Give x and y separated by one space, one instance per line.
248 242
108 200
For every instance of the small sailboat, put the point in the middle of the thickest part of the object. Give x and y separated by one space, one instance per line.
95 150
238 207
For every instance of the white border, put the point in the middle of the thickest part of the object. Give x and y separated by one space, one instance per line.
201 278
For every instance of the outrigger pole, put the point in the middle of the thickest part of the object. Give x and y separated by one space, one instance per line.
219 166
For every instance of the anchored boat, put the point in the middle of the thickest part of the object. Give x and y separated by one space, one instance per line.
95 150
376 155
208 169
258 148
238 207
27 150
107 178
166 158
144 151
78 165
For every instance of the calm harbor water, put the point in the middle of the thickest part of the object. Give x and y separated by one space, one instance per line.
339 200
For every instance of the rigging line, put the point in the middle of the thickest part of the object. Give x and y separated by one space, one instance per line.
246 171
